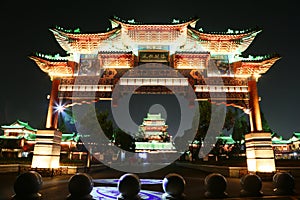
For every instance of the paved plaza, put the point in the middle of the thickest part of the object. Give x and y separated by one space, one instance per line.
56 188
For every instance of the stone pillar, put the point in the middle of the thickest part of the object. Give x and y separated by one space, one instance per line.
46 152
255 117
259 152
52 117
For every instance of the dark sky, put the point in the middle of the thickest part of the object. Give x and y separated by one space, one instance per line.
25 24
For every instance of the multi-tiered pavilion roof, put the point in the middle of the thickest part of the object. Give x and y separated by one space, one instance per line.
179 44
181 38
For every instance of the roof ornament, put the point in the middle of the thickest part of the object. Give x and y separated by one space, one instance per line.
131 21
77 30
175 21
230 31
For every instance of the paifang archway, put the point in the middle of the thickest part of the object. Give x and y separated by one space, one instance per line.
104 57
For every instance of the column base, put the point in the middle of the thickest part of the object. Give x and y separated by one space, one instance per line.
259 153
46 152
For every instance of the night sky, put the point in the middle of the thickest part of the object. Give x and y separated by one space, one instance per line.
25 29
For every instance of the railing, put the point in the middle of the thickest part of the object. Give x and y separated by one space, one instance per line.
80 185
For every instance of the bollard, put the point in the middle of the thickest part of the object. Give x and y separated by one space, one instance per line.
129 186
215 185
251 185
173 186
27 186
80 186
284 183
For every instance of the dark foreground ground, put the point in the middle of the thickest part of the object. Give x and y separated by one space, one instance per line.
56 188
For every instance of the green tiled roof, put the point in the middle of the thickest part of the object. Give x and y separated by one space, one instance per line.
231 31
279 140
297 135
227 139
70 137
153 117
77 30
19 124
255 58
275 138
174 21
49 57
30 136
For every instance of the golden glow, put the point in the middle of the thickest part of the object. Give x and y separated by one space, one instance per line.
261 165
50 122
45 149
54 69
254 68
263 153
251 165
45 162
105 99
254 105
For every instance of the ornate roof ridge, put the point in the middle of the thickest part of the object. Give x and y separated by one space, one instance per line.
229 31
259 58
174 22
63 31
119 52
21 123
48 57
77 30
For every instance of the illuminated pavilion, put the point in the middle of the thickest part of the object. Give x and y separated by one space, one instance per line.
107 55
153 134
19 139
154 128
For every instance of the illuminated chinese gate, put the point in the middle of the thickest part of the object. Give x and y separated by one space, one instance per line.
96 62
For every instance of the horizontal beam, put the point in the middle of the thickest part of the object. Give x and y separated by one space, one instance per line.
154 81
83 88
220 88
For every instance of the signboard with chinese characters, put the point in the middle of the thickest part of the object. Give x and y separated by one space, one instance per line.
153 56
